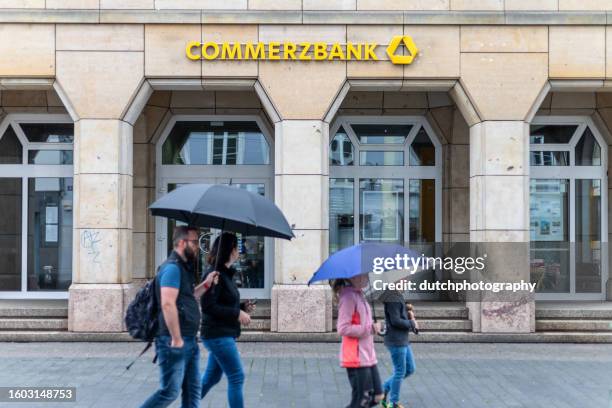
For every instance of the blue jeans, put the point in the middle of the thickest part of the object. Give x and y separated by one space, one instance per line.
179 371
223 357
403 366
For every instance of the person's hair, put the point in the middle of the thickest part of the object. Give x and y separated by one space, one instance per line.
337 285
228 243
181 232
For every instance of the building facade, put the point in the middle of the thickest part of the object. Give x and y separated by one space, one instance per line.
412 122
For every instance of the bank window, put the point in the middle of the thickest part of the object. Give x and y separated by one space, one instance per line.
216 143
567 218
391 193
36 184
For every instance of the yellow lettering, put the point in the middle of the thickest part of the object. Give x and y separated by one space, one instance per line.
256 51
369 51
289 51
231 51
189 50
353 51
320 51
305 48
215 49
273 50
336 52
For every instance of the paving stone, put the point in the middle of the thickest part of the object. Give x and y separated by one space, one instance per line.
308 375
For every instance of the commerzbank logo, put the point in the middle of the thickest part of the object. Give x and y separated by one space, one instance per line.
401 51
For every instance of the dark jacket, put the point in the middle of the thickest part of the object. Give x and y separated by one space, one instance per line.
398 323
221 307
186 303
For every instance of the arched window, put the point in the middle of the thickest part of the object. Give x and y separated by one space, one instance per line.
385 181
234 150
568 202
36 192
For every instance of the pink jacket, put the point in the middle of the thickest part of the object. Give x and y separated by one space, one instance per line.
355 326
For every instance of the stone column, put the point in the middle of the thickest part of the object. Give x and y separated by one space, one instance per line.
97 80
301 191
102 258
302 94
499 222
505 80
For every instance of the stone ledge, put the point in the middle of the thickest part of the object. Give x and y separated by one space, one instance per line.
196 16
151 16
454 17
49 16
251 17
352 17
263 336
557 18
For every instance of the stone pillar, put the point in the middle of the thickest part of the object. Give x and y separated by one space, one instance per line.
97 80
102 259
504 89
301 95
301 191
499 222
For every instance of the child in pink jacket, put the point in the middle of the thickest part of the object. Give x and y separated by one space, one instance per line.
357 352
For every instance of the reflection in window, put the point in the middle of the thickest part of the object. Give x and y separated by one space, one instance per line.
341 210
588 236
216 143
381 134
422 211
381 210
549 158
10 234
48 132
381 158
49 234
556 134
549 234
50 157
10 148
422 150
341 149
588 152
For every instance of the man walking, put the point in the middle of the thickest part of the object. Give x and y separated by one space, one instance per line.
176 344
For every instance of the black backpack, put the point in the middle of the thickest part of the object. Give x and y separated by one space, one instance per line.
141 317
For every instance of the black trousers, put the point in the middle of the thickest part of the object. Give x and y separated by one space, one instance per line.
365 384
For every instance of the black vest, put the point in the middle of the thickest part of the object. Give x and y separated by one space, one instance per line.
186 303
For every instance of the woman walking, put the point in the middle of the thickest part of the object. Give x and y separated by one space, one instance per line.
400 322
357 353
222 315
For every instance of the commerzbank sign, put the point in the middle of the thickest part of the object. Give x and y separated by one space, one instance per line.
302 51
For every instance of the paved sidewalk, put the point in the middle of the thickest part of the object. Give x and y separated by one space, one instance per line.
307 375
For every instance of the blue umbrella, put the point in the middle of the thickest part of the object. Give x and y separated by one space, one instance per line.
359 259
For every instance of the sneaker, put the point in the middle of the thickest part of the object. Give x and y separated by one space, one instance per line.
395 405
384 403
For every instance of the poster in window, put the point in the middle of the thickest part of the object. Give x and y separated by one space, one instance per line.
381 216
51 233
547 217
51 215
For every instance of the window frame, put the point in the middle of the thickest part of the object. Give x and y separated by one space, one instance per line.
26 171
215 173
573 172
406 172
231 170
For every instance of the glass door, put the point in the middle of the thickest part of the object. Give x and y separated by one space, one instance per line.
253 267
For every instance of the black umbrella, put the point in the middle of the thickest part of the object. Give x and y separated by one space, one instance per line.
223 207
